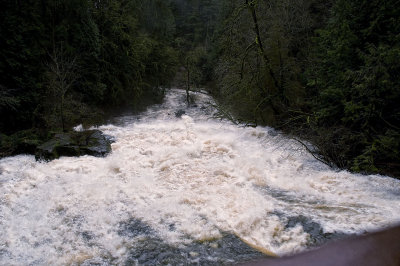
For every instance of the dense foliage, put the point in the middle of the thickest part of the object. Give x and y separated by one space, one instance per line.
325 71
322 71
61 59
355 77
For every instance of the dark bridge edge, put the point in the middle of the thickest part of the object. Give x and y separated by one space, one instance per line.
380 248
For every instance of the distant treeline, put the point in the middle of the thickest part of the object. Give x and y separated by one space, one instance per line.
61 59
325 72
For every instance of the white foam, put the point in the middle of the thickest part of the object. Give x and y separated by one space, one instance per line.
203 176
79 128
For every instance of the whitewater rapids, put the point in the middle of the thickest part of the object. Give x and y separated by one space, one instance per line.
186 180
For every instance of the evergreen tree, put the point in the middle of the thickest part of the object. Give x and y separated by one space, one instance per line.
356 79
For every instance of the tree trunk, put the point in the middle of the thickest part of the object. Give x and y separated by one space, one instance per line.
187 82
251 6
62 113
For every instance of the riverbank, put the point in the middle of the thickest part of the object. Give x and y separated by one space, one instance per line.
26 141
190 185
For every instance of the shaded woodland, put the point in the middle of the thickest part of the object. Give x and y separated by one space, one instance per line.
324 72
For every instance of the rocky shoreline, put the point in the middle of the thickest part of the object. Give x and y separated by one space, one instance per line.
70 144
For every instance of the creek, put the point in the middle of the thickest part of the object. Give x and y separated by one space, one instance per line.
183 190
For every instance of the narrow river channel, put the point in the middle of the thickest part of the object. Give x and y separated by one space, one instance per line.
183 190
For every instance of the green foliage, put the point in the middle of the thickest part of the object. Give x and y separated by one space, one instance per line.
7 101
195 61
24 142
118 54
355 77
263 50
327 71
157 19
196 25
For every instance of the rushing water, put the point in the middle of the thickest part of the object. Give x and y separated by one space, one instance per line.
189 190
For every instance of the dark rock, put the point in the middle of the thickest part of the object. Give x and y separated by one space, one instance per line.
97 144
315 230
134 228
68 150
149 249
90 142
179 113
273 133
47 151
87 236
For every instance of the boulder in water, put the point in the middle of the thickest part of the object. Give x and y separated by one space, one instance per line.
90 142
179 113
273 133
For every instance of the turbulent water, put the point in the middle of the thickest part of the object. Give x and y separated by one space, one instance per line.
183 190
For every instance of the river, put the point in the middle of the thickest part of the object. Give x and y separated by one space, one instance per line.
183 190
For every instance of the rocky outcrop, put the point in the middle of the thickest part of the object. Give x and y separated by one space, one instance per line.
90 142
180 113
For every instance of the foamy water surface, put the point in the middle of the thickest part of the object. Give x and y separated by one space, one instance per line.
181 181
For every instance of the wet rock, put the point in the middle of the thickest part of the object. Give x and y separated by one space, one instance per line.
179 113
90 142
315 230
273 133
149 249
134 228
87 236
96 144
309 226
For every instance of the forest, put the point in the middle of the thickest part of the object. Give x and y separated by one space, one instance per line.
324 72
